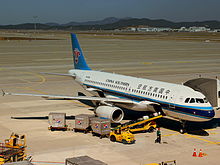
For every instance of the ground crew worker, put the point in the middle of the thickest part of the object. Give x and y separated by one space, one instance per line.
158 140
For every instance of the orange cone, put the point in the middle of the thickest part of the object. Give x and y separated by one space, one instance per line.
200 153
194 153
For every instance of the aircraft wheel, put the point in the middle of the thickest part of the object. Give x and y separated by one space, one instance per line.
112 138
151 129
182 131
124 141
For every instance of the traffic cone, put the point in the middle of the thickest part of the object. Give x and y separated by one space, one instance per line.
194 153
200 153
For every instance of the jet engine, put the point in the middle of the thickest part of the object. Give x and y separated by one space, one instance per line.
113 113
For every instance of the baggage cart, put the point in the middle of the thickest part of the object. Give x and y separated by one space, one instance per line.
57 121
82 123
100 127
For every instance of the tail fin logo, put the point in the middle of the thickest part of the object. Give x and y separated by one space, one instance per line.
76 53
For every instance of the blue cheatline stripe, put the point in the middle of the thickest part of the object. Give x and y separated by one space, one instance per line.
197 116
139 98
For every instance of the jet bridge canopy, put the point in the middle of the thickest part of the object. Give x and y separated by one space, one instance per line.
207 86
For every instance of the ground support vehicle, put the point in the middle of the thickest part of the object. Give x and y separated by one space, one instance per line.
123 133
171 162
13 149
123 136
144 125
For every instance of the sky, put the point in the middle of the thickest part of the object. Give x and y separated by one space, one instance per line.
64 11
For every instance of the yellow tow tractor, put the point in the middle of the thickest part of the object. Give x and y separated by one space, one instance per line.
13 149
123 136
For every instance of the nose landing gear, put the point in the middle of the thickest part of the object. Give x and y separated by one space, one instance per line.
183 127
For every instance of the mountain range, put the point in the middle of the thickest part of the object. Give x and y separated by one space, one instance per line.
112 23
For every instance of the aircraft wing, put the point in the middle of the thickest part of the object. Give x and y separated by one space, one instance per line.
112 100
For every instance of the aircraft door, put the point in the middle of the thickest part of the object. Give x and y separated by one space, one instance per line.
172 102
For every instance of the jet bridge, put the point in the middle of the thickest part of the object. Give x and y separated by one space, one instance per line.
207 86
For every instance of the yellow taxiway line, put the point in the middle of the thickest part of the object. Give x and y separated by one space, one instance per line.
170 134
193 136
205 140
147 63
43 80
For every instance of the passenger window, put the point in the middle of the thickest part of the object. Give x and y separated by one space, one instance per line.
192 100
187 100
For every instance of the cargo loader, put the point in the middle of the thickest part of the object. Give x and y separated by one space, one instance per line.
143 125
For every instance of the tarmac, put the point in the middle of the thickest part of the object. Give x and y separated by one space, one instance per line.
170 60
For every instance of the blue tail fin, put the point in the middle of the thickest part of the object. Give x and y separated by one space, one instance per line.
78 58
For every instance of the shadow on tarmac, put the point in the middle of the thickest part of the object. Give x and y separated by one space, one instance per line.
194 128
41 118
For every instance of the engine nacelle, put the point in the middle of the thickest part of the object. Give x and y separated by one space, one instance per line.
113 113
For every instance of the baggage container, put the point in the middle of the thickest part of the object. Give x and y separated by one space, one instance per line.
83 160
57 121
82 123
101 127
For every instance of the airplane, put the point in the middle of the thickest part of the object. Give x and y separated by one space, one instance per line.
115 93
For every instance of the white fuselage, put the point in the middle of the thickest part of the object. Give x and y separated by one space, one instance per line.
171 97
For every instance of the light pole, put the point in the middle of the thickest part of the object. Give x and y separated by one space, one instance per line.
35 25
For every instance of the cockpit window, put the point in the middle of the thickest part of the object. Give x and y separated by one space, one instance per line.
192 100
187 100
205 100
196 100
199 100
